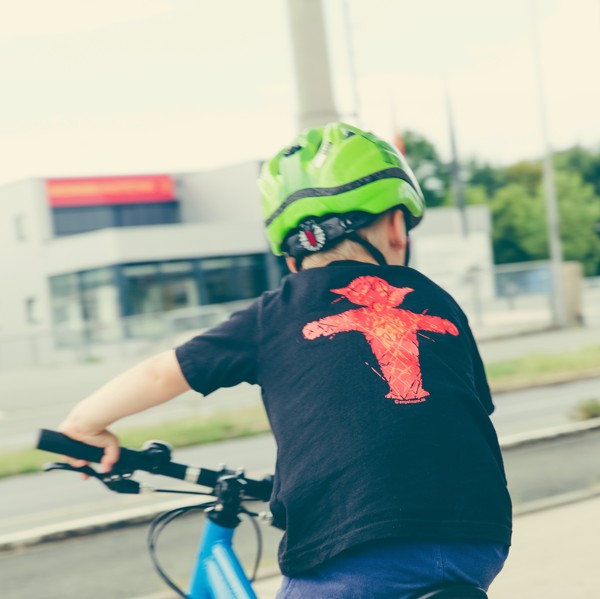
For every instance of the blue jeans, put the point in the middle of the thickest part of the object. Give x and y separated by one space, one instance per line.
393 569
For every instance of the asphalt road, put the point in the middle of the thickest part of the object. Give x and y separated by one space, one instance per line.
116 564
541 407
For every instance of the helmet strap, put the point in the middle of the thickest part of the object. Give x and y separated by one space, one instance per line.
353 236
375 253
328 232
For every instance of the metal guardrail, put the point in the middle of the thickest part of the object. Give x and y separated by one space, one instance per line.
126 337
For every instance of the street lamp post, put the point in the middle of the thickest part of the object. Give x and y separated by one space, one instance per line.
455 174
552 214
311 61
351 61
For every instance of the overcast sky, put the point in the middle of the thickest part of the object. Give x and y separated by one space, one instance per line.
135 86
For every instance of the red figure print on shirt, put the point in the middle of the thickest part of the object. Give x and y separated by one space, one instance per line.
390 331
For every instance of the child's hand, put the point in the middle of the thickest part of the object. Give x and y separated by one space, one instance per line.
104 439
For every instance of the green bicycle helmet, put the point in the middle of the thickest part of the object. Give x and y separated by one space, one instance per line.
330 182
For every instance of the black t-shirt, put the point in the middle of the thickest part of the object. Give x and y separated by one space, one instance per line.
379 404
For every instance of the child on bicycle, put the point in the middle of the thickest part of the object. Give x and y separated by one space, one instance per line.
389 478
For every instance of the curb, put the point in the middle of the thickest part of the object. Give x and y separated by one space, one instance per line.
89 525
522 332
145 514
556 501
555 433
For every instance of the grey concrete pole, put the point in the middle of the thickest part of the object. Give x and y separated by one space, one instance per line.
457 184
311 64
552 214
351 62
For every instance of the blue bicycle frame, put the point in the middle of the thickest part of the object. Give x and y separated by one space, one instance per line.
218 573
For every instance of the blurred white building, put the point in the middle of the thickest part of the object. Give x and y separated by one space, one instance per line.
463 264
91 251
101 256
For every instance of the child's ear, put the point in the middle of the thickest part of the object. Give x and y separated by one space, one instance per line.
291 263
397 230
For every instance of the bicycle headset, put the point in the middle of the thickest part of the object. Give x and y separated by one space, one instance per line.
331 182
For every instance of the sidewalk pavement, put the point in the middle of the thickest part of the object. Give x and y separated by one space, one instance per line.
554 555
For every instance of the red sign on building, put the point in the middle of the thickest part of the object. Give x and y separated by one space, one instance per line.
99 191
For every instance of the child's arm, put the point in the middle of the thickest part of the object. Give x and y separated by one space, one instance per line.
148 384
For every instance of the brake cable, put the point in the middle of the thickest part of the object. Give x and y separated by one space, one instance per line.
163 520
259 540
157 526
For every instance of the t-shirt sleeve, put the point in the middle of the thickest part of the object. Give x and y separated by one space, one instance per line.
224 355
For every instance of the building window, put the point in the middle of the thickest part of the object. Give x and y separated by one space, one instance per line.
180 286
233 278
252 275
100 304
218 280
142 289
82 219
153 289
159 287
90 305
85 306
67 315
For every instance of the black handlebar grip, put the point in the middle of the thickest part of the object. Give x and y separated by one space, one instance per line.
131 459
55 442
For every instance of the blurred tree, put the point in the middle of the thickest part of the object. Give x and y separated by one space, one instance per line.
518 225
582 161
484 176
432 174
519 221
525 173
579 220
515 196
476 195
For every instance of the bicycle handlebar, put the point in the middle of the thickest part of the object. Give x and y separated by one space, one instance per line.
148 460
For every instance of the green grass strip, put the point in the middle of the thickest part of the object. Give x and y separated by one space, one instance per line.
542 369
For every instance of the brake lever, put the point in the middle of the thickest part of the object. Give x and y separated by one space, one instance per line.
119 482
87 470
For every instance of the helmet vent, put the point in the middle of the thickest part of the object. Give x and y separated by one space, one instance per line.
322 154
291 150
